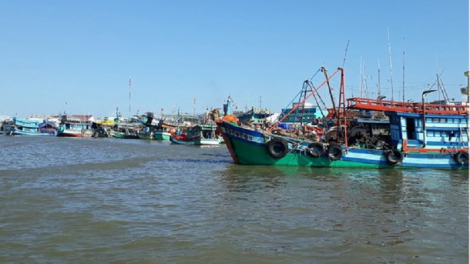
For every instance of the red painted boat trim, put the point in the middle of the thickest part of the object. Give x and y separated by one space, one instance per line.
227 141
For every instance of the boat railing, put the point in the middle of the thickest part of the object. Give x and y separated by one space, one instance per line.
409 107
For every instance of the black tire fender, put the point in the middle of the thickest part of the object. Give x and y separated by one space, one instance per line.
335 152
461 157
277 148
315 150
394 157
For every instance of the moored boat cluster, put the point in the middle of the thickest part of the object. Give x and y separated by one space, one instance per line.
190 130
355 132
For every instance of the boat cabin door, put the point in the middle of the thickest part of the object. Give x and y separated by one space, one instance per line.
410 128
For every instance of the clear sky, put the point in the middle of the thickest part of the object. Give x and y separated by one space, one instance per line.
78 56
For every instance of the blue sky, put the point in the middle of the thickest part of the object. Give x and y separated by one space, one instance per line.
77 56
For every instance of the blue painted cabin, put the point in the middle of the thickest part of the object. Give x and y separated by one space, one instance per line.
438 131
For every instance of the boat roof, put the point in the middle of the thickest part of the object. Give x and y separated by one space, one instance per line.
406 107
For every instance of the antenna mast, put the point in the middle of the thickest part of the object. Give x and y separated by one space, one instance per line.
390 61
378 78
403 69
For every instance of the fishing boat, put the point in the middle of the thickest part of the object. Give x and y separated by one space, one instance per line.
164 129
149 126
195 135
412 135
6 124
126 131
75 126
103 128
161 134
48 127
32 127
128 128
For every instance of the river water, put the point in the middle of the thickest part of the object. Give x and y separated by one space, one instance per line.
95 200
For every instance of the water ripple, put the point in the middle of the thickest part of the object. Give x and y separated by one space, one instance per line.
135 201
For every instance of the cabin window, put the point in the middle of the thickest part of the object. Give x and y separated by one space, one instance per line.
442 120
434 120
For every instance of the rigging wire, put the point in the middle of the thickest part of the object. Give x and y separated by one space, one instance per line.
301 90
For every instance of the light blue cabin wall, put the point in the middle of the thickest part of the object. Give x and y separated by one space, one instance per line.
438 129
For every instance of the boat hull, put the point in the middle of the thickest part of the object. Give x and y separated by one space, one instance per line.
29 133
146 136
125 135
197 142
75 133
249 147
159 135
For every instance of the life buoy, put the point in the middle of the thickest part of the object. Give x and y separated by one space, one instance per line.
277 148
394 157
461 157
315 150
335 152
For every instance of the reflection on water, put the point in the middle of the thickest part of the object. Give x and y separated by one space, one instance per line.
136 201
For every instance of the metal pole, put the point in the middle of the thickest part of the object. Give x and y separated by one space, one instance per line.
424 114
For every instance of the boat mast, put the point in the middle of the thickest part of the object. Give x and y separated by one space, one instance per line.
323 69
363 91
403 86
378 78
361 78
390 62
